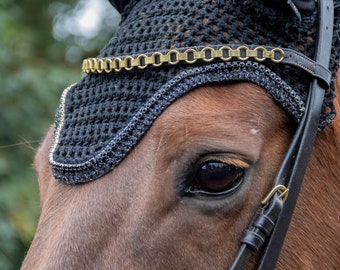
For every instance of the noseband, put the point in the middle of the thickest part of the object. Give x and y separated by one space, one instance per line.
270 223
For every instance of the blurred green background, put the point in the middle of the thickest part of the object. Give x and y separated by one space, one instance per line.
42 44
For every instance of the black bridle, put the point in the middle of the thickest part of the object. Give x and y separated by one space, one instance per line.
270 223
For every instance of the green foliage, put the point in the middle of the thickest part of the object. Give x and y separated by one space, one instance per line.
33 74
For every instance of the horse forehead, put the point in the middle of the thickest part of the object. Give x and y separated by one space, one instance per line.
236 118
237 105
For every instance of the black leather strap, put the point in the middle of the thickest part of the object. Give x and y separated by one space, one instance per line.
293 168
314 68
259 229
299 155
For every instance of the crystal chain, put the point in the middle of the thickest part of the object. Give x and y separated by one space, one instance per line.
173 57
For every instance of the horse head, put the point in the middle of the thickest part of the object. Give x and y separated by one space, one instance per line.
191 115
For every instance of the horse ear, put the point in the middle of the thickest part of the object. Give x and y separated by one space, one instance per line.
119 4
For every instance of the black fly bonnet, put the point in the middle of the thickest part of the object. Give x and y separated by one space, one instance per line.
165 48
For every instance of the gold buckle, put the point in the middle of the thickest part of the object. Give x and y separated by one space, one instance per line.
279 188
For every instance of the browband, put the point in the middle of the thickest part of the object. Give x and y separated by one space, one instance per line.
208 54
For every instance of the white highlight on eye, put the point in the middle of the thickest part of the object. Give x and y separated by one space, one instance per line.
254 131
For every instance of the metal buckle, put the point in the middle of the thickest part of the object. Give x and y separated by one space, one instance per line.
283 194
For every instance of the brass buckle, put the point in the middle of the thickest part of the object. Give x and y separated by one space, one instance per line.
283 194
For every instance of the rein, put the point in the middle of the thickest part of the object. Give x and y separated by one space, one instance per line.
273 218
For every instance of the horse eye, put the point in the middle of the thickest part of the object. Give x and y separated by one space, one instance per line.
216 178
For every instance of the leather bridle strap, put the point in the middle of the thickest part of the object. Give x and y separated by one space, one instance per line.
305 144
301 155
272 220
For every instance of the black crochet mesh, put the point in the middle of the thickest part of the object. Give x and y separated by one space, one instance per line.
101 106
94 115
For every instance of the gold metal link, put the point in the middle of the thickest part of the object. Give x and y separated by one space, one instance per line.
116 64
84 65
182 56
260 53
226 50
278 51
173 57
157 59
96 64
199 55
191 56
128 62
92 64
217 54
208 54
107 65
100 66
243 53
141 62
152 59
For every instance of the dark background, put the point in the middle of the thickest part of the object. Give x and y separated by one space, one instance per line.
42 44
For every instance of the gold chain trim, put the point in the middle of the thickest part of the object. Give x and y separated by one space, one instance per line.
173 57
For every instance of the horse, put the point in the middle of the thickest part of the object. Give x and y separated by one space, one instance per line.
226 137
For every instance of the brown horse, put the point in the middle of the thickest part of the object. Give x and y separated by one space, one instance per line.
133 218
221 137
